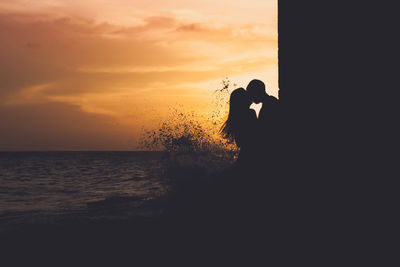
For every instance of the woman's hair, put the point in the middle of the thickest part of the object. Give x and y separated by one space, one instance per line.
239 102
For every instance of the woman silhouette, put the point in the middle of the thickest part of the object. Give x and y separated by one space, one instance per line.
241 124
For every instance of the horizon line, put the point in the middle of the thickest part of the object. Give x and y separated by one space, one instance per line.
1 151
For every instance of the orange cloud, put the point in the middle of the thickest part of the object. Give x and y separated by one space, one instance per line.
128 73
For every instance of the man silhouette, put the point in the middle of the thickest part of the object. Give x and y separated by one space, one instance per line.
267 135
257 93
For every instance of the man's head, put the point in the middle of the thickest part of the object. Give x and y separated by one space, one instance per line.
256 90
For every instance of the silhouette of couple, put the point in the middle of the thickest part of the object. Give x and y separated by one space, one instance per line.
255 137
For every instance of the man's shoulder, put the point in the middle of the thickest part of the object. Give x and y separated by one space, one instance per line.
269 106
270 100
273 99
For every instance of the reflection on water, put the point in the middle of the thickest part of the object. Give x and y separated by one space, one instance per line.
58 181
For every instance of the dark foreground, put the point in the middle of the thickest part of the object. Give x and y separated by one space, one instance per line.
263 221
204 223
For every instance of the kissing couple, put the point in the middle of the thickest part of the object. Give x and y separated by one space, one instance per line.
255 137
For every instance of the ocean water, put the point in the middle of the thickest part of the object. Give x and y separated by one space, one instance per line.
41 183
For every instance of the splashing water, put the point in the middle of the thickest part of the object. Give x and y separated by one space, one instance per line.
193 141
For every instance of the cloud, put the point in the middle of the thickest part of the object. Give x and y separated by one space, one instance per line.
56 126
83 70
58 50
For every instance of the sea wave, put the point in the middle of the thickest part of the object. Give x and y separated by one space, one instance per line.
192 142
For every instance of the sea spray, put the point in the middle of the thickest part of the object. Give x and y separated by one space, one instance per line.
191 141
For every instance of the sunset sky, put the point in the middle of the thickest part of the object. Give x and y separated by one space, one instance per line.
92 74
